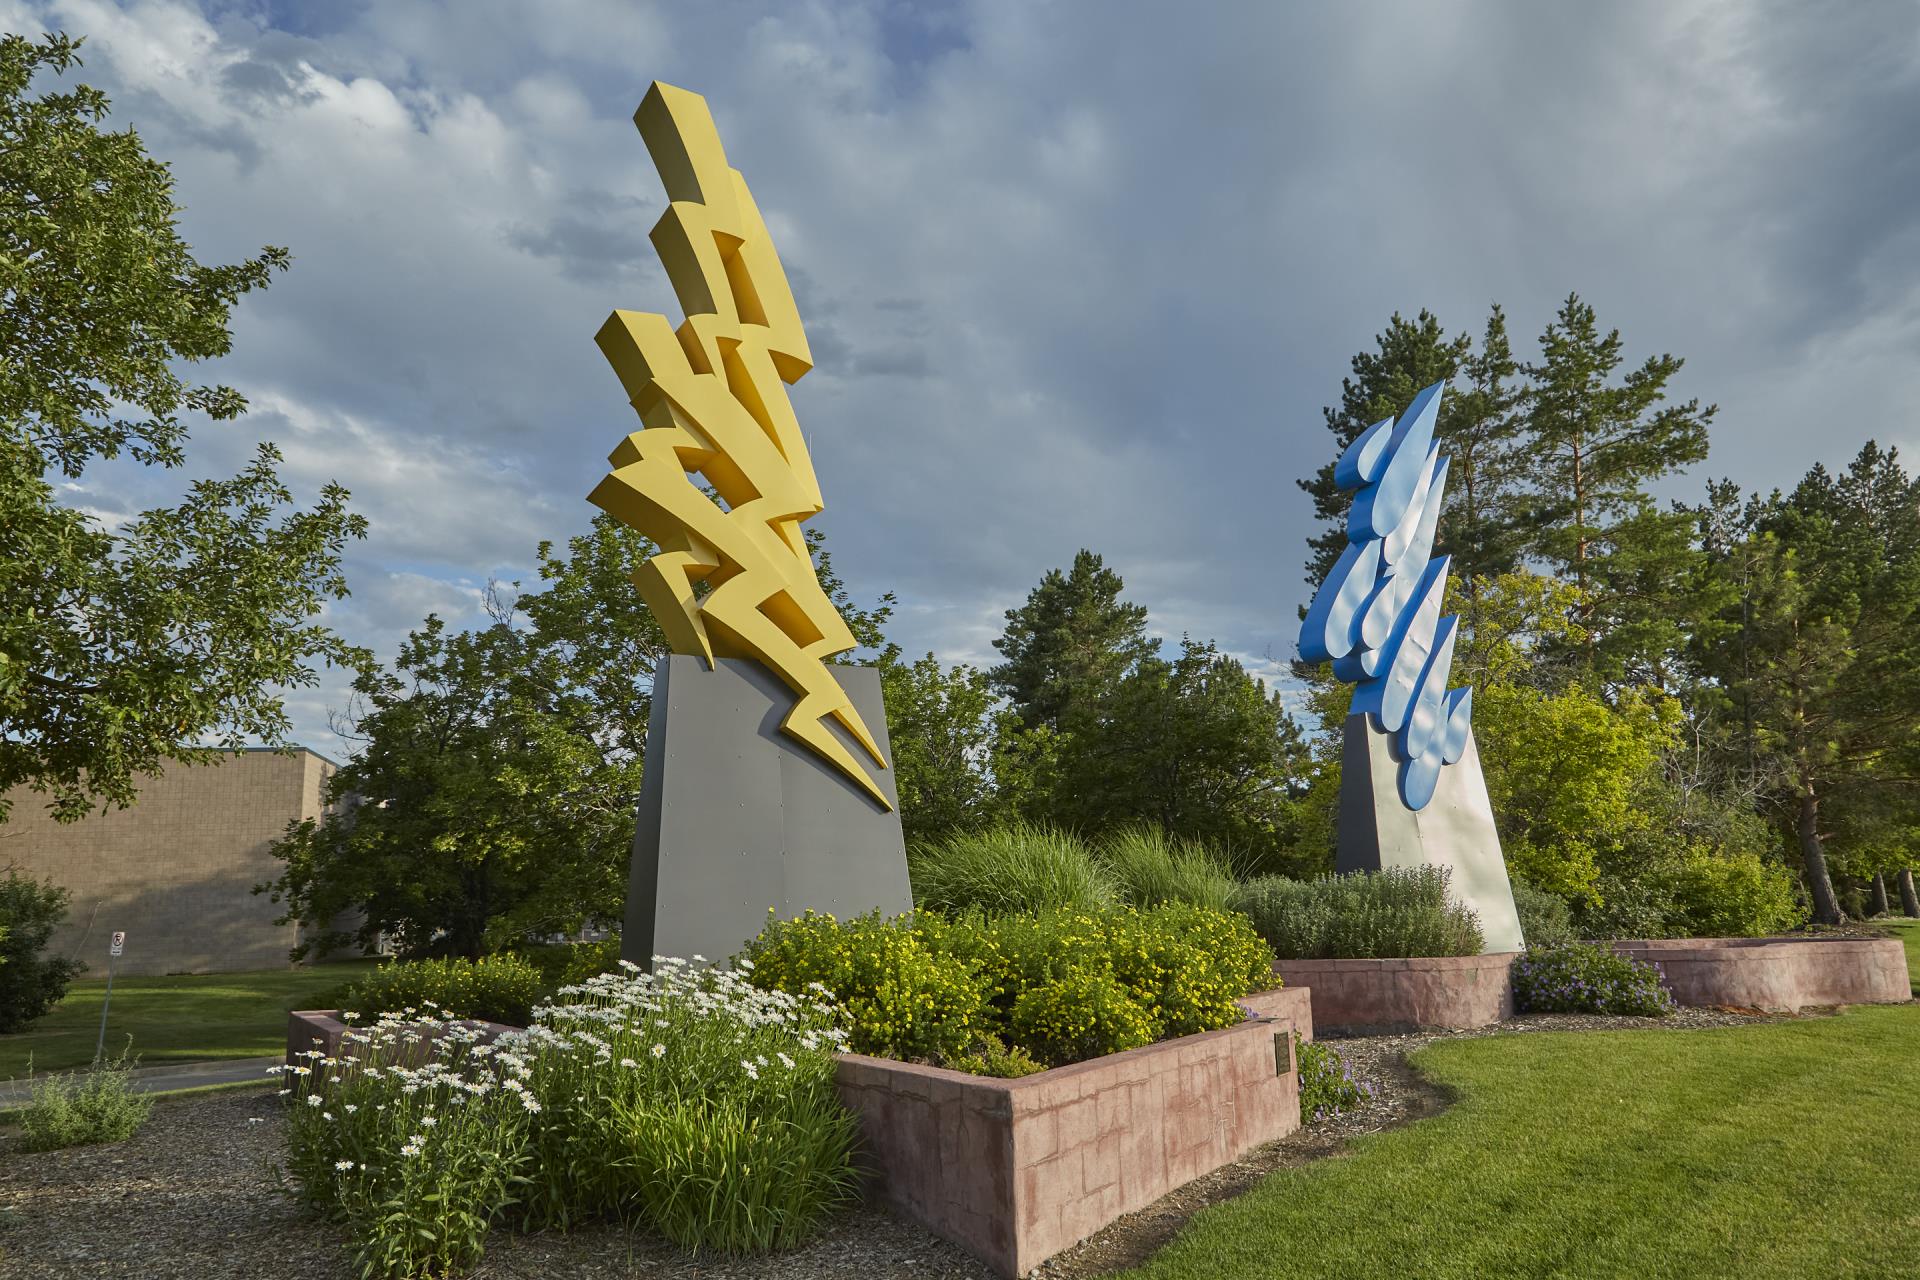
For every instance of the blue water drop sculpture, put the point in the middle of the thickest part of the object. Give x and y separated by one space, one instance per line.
1377 616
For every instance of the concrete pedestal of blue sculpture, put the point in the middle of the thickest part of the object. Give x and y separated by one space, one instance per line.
736 817
1454 830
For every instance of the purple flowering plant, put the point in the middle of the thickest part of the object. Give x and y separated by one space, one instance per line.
1328 1087
1579 977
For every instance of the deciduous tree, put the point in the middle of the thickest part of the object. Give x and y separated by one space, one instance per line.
173 635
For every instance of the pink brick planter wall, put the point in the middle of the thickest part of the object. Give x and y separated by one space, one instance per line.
1017 1170
1365 996
321 1029
1777 974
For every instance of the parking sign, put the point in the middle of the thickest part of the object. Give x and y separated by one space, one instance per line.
119 941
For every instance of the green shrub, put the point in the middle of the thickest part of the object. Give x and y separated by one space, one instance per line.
1581 978
1150 869
900 992
1545 918
31 980
926 987
500 988
1189 964
1641 905
83 1107
990 1056
1735 896
1402 911
562 964
1009 869
1327 1086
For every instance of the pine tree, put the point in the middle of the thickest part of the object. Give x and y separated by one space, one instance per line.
1826 669
1597 444
1192 744
1409 355
1069 643
1481 523
1478 430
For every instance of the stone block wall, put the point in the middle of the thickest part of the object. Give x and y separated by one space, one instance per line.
176 870
1356 997
1777 974
1017 1170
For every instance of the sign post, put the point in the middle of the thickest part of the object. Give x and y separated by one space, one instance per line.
113 951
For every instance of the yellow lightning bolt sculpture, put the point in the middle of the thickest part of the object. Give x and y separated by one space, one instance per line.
712 396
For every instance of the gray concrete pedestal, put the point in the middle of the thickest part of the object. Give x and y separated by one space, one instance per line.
1455 830
736 817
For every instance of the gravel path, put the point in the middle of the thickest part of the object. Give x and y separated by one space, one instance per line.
193 1197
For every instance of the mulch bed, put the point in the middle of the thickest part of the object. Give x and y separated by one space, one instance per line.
195 1195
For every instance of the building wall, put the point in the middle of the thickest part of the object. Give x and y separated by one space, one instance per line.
176 870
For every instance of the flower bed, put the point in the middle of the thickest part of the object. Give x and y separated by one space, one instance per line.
686 1101
1776 974
1366 997
1016 1170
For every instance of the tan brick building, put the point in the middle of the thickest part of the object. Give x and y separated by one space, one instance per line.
176 870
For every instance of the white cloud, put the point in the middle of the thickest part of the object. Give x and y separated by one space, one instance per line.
1070 283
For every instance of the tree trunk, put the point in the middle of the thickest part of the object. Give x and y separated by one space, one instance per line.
1880 907
1826 908
1909 900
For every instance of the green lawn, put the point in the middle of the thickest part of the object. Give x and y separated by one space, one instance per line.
1784 1150
1908 932
186 1018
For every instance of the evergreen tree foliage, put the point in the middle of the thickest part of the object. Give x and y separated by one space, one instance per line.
1069 644
1479 429
1822 661
1596 443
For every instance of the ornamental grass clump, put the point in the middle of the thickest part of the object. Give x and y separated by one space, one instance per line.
79 1108
1399 912
1009 869
1151 868
414 1137
1581 978
690 1102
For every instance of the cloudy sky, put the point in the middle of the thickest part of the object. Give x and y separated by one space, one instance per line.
1075 274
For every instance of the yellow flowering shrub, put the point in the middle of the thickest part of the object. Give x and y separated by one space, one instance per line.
1087 1014
990 994
899 996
